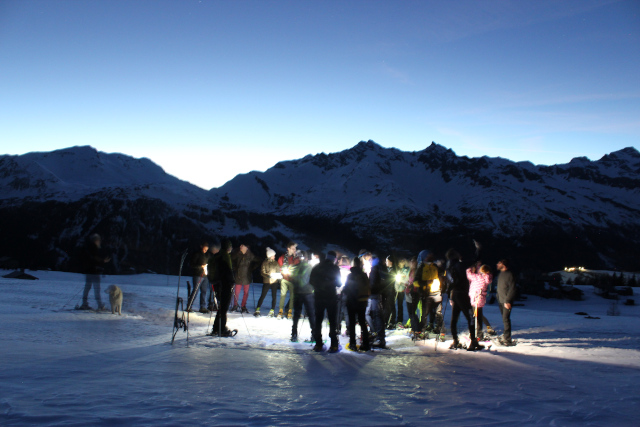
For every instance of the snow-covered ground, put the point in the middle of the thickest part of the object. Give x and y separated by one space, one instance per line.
65 367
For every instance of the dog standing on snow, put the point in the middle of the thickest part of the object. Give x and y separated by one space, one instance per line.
115 298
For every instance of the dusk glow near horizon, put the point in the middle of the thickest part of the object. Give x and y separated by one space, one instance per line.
212 89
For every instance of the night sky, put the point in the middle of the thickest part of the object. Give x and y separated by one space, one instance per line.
210 89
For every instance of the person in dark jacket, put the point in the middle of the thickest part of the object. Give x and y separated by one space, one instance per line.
303 296
214 248
458 290
374 309
325 279
94 261
356 291
225 281
244 262
506 295
199 265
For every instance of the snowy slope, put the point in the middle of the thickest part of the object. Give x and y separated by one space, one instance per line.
75 172
63 367
437 189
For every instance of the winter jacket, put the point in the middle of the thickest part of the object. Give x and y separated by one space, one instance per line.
506 287
300 275
377 278
93 259
325 279
478 287
357 286
268 268
197 261
242 267
457 282
223 273
285 262
426 279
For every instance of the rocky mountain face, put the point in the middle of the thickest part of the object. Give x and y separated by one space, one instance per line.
585 212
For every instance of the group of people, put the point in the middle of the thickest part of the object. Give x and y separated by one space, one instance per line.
363 291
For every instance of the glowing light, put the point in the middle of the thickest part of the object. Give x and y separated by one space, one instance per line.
285 270
206 270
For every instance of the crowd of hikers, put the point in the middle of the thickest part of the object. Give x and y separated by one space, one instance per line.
366 291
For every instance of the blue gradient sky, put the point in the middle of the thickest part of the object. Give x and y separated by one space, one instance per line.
210 89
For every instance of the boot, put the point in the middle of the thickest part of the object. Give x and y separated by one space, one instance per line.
289 314
234 308
280 314
490 330
455 345
204 310
294 337
271 313
475 346
257 312
244 310
318 347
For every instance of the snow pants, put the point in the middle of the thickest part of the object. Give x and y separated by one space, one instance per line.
326 303
389 308
223 293
461 304
204 286
399 307
286 286
341 312
374 317
307 301
265 289
92 280
432 304
357 312
236 295
506 319
412 308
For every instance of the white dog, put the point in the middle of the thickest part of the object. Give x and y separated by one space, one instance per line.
115 298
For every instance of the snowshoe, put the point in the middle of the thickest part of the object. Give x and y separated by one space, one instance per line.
289 314
399 325
294 338
234 308
279 315
334 348
244 310
257 312
352 347
204 310
84 306
379 344
318 347
271 313
227 333
507 343
455 345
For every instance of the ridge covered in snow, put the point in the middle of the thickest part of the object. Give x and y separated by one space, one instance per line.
438 190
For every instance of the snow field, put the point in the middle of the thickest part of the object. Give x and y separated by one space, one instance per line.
65 367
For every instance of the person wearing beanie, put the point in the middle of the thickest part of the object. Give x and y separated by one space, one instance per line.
271 276
325 280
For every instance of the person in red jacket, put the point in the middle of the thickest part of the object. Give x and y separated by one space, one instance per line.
287 263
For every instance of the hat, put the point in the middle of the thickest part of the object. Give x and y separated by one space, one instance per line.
270 252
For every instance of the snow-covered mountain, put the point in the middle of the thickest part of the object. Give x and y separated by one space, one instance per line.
584 212
434 189
76 172
402 197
